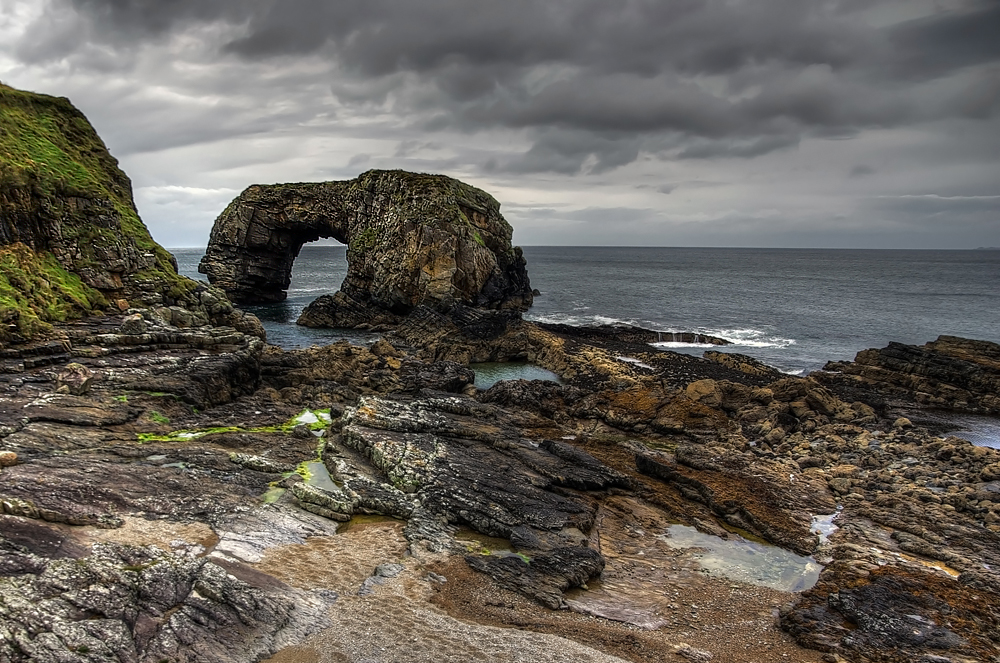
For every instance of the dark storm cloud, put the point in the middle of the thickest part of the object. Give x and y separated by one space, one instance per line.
593 84
936 45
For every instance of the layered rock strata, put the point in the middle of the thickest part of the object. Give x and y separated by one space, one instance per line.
412 240
950 373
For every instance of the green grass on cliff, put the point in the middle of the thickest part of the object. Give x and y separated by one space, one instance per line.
49 147
36 290
55 169
47 144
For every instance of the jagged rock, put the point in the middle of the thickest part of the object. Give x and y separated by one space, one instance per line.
743 363
951 372
75 379
448 451
327 503
129 603
411 239
374 497
685 650
623 333
545 576
898 615
382 348
438 376
261 464
133 324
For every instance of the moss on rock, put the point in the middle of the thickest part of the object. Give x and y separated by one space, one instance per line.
71 240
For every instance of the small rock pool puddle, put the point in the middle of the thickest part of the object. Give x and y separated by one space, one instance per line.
319 476
641 582
480 544
489 373
746 561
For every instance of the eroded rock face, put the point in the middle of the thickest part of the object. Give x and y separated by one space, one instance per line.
951 372
187 437
411 239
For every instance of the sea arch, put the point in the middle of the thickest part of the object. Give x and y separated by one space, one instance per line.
412 239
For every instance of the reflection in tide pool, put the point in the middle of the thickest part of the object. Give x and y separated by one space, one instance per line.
320 477
746 561
488 374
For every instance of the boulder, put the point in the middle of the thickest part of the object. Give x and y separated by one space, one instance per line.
74 379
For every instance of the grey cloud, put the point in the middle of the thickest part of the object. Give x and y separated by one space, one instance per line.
358 160
861 170
742 148
935 45
592 84
571 151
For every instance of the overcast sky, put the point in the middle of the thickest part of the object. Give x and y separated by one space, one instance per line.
788 123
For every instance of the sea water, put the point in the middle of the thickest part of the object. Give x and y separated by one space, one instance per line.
794 309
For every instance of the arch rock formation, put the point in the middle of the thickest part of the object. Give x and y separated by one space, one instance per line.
412 240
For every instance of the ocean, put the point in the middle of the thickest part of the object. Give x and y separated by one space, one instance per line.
794 309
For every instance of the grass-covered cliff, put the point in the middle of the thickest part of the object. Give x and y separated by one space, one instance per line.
71 241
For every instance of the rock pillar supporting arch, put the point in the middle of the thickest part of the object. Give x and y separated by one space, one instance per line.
412 240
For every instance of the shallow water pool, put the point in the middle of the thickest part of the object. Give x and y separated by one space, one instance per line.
746 561
488 374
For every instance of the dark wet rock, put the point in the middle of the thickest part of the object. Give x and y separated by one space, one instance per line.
897 615
411 239
130 603
466 468
447 376
78 411
544 576
623 333
951 372
538 464
464 334
343 311
543 396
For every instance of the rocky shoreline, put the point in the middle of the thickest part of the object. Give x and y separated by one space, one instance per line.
142 455
174 489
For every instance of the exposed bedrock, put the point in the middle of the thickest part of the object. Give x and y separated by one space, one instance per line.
952 373
412 239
